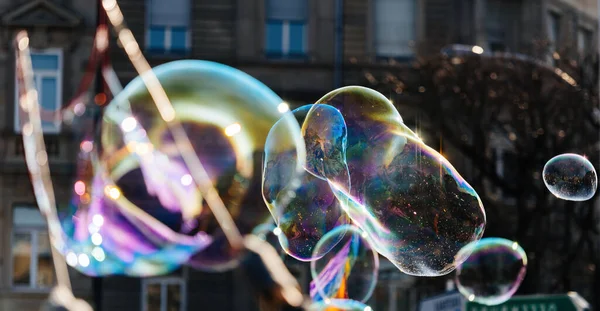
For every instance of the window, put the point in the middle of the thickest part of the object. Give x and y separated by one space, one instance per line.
168 26
394 27
584 38
497 12
47 77
286 28
164 294
31 253
553 34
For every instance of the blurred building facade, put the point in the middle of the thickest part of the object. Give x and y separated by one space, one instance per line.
302 49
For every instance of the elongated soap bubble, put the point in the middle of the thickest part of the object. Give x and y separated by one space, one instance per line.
296 190
347 271
570 177
416 208
493 271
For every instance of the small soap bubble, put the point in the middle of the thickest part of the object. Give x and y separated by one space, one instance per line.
493 271
349 270
570 177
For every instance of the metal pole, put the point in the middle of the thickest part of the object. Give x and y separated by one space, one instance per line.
339 41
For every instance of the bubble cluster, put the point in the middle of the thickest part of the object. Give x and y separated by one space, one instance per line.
416 208
299 197
348 270
493 271
133 174
570 177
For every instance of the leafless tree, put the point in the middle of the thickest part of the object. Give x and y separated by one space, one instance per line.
531 111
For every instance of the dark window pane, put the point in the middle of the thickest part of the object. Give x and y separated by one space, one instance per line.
274 40
156 38
297 31
153 297
21 256
178 39
174 297
45 270
48 100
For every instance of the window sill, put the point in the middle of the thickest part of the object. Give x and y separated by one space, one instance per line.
167 54
29 290
398 58
288 57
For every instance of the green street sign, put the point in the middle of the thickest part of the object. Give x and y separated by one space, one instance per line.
569 302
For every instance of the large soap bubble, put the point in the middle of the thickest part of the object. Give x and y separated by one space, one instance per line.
417 209
296 190
570 177
347 271
493 272
152 215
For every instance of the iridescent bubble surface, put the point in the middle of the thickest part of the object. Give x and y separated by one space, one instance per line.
154 218
296 190
348 271
416 208
339 304
493 272
570 177
112 236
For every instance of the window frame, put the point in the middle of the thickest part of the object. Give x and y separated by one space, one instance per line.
164 282
285 50
402 56
587 35
553 28
34 233
167 44
38 75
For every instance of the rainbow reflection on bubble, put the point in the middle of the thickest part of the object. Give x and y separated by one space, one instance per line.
570 177
111 235
134 176
416 208
493 271
348 270
339 304
296 190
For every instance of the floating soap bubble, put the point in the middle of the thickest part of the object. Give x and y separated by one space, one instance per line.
348 271
416 208
296 190
154 217
570 177
493 271
339 304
